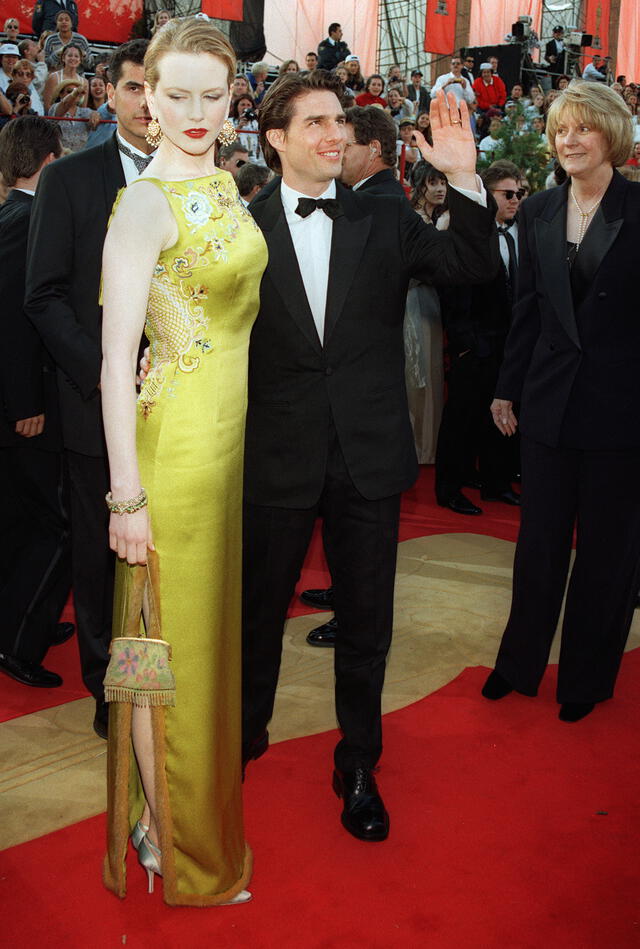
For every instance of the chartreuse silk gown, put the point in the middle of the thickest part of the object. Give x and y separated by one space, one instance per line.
203 300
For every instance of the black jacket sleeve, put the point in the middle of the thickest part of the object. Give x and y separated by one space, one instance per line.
50 265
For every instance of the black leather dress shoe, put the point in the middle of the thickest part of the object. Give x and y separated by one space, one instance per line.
507 497
459 504
29 673
101 719
364 814
62 633
496 687
252 750
574 711
321 599
324 635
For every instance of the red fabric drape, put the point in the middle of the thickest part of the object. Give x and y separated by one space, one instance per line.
440 26
110 21
223 9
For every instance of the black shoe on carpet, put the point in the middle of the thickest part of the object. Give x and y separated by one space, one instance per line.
496 687
364 814
29 673
101 719
574 711
321 599
61 633
324 635
507 497
459 504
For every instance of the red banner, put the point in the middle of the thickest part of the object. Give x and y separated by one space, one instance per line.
108 20
440 27
223 9
597 24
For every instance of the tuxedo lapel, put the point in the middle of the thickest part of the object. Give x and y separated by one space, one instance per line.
551 241
348 241
603 230
283 269
112 171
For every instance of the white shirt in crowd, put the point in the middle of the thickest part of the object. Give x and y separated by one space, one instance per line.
504 249
445 82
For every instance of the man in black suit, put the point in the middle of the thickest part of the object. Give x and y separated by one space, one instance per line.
67 232
333 49
328 428
34 556
368 164
477 320
46 11
554 52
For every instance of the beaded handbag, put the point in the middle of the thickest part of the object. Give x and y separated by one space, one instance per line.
138 670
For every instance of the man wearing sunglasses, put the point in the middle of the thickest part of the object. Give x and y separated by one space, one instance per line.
233 157
477 320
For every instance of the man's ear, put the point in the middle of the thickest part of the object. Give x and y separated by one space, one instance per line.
111 91
277 139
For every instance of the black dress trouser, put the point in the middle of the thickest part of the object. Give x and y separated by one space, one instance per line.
598 490
93 565
360 541
35 561
467 429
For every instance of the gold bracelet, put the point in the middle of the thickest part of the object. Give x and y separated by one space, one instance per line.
127 507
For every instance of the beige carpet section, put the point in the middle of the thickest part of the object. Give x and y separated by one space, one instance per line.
452 598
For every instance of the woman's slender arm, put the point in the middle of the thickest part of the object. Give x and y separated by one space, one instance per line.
141 227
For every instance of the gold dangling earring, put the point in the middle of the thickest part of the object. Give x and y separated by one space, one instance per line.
227 134
154 133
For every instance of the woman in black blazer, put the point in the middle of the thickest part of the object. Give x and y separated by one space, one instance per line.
573 362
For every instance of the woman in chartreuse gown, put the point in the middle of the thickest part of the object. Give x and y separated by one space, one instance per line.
184 254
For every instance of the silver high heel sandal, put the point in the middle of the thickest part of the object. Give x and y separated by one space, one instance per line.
242 897
138 833
149 857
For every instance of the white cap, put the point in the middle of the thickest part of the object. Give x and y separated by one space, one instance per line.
9 49
352 58
485 66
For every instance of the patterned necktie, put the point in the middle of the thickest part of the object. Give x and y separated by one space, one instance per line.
330 206
140 161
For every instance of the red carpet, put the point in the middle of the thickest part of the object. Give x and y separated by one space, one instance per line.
509 829
420 517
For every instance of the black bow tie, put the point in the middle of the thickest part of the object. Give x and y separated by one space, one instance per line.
330 206
503 228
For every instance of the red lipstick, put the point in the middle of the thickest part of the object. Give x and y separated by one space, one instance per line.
195 133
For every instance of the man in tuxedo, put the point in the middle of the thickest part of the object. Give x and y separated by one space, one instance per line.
477 320
34 557
68 226
370 156
328 429
554 52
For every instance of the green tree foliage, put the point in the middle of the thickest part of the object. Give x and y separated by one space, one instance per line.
522 147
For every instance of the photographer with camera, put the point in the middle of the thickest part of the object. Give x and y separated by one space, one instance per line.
245 119
18 98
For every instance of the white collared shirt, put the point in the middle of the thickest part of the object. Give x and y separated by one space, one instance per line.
504 247
128 165
311 238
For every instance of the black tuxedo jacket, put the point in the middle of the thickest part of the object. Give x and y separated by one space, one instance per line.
383 182
575 365
552 50
27 380
298 387
68 226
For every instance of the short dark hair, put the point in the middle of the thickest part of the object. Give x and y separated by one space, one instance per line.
311 53
276 109
374 75
498 171
25 142
333 27
251 175
130 52
226 151
369 124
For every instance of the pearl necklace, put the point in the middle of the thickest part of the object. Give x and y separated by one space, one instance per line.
584 217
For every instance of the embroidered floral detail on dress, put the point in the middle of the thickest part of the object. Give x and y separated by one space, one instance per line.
176 322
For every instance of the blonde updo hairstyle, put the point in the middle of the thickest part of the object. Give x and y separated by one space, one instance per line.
600 108
188 35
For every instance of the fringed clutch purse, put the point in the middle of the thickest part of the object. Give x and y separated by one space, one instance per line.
138 670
